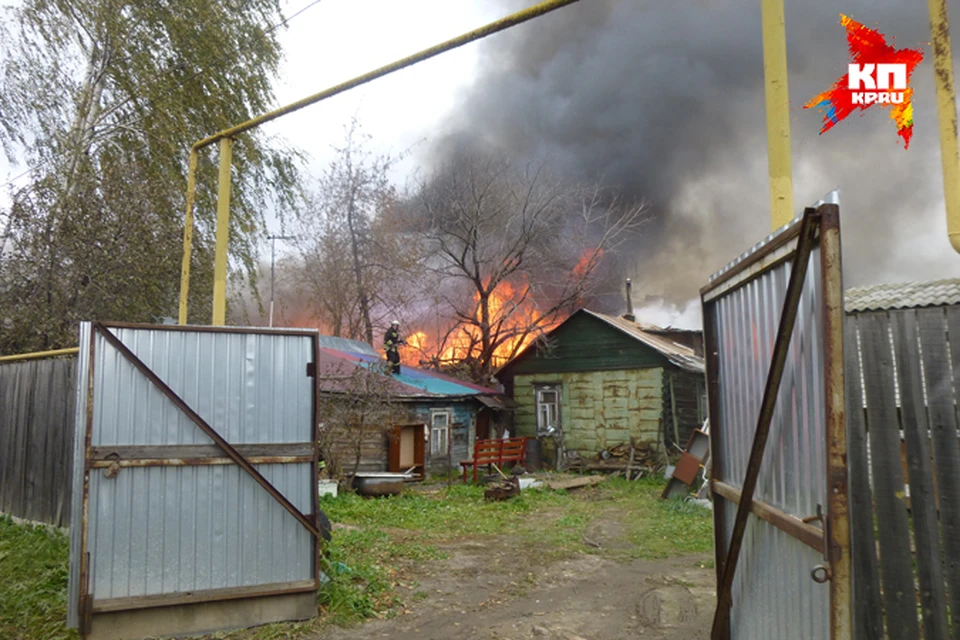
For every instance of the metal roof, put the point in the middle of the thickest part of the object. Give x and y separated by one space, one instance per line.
336 366
680 355
902 295
343 344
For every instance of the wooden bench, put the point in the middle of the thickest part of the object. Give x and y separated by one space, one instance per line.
495 451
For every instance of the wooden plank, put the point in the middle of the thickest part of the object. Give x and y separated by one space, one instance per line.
926 530
574 483
899 593
953 331
791 525
867 612
946 454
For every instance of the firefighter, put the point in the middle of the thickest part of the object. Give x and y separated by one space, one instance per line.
391 342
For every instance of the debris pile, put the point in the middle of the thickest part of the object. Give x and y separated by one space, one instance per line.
632 461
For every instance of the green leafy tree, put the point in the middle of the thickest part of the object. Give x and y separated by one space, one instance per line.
103 99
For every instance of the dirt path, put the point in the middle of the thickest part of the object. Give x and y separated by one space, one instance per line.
494 590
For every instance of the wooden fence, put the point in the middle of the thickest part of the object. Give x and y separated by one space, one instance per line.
904 470
37 399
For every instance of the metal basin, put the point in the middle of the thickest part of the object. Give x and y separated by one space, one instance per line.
380 483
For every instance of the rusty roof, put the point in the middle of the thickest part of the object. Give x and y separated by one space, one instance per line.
902 295
678 354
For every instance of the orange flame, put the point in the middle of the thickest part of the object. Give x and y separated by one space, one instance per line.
588 262
509 307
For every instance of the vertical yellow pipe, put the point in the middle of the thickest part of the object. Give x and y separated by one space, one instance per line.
947 116
778 112
188 236
223 233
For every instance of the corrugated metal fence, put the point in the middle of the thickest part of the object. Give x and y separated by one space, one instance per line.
773 594
904 463
37 400
195 479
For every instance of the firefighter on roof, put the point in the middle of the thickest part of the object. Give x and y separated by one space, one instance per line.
391 342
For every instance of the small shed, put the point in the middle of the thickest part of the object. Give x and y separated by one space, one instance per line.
417 420
602 380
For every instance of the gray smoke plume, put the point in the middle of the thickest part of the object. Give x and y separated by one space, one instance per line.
665 101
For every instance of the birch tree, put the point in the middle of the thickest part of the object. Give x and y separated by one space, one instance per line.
102 100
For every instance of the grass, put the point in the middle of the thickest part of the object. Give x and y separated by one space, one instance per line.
368 560
33 572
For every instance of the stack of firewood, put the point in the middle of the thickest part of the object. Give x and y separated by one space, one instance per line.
631 460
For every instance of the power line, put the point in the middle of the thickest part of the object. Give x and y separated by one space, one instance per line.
154 104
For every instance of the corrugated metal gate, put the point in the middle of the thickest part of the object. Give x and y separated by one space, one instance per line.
195 480
773 334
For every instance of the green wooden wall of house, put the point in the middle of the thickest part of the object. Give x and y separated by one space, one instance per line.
612 387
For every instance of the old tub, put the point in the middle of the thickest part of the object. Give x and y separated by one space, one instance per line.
380 483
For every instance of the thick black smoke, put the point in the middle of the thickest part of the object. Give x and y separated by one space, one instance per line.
665 100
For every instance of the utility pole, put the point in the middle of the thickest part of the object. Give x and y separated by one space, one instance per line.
273 258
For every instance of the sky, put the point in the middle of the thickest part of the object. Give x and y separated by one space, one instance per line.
337 40
663 100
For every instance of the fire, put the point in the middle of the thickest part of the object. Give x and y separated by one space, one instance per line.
510 307
588 262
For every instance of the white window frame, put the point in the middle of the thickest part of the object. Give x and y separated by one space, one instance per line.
440 434
548 412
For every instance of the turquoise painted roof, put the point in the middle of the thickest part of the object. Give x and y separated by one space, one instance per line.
417 381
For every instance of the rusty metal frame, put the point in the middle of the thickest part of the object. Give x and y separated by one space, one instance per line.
833 539
85 606
835 425
113 605
798 273
804 532
221 453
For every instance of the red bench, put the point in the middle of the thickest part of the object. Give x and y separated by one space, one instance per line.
495 451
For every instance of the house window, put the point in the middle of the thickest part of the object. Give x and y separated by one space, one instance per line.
439 432
548 409
701 402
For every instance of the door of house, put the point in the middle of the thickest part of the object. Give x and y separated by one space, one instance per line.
407 449
483 424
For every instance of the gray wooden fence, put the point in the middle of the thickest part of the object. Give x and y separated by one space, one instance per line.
904 469
37 399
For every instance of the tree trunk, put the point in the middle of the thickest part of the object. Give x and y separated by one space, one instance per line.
362 297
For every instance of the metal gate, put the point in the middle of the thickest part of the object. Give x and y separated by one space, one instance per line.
195 480
773 339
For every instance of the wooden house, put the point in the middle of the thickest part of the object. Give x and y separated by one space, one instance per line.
416 420
602 380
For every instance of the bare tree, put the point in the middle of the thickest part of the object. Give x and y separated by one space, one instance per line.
515 248
344 248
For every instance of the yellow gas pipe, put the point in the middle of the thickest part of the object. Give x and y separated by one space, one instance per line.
223 213
946 116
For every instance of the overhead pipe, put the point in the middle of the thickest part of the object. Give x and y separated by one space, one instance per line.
499 25
38 355
946 116
778 112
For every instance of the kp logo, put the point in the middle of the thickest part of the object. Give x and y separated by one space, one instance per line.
879 75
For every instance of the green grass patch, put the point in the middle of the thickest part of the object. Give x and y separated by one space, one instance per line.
33 575
366 564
